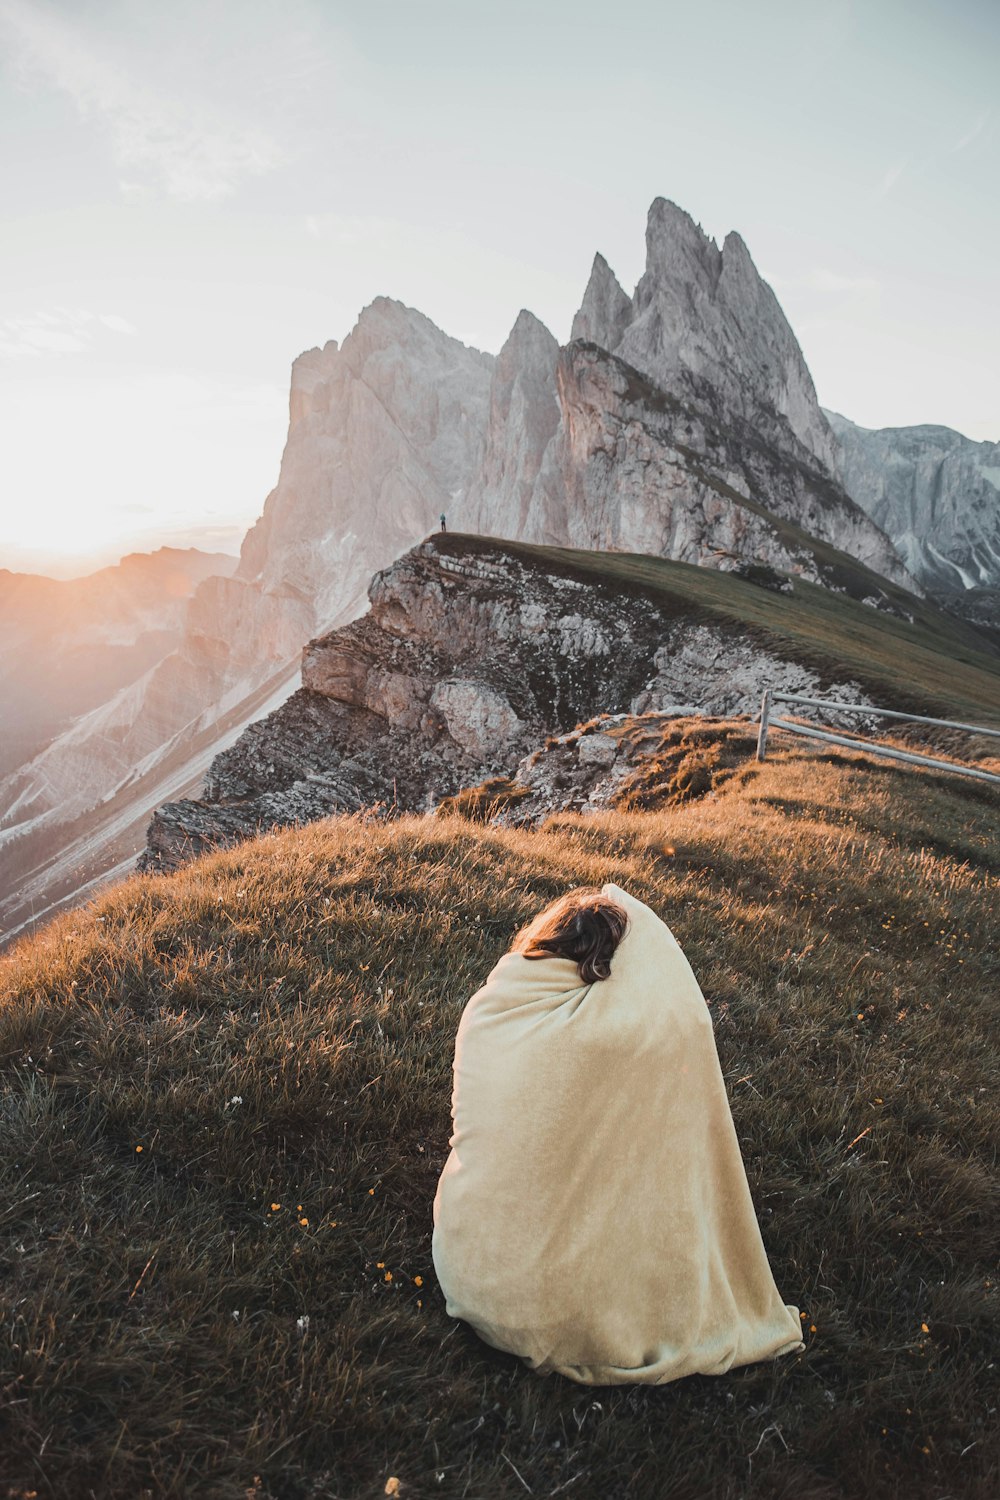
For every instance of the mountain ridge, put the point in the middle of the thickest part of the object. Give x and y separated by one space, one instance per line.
475 651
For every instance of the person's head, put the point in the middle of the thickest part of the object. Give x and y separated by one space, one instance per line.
584 925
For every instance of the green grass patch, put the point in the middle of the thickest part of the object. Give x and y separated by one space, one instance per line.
937 665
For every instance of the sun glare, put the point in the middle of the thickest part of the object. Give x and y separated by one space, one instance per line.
160 459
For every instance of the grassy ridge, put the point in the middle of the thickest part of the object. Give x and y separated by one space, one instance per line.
936 665
226 1103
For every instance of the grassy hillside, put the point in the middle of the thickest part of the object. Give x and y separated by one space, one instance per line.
936 665
226 1104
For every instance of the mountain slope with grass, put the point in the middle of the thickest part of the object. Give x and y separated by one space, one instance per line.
475 650
226 1104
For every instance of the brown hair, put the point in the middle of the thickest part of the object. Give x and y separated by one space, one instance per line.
584 925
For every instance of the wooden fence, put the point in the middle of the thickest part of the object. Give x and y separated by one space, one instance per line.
769 721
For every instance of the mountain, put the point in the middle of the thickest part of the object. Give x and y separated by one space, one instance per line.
935 492
67 645
680 422
475 651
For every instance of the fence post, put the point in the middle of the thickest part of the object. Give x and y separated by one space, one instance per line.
765 715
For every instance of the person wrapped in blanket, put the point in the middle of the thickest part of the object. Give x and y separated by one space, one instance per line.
594 1216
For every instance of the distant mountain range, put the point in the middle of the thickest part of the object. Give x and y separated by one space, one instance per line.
934 492
680 422
68 645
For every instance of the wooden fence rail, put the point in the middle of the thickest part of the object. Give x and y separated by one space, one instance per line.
769 721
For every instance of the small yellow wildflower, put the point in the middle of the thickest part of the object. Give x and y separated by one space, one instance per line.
371 1192
388 1275
304 1223
418 1281
380 1264
333 1223
392 1485
812 1327
924 1328
138 1148
275 1207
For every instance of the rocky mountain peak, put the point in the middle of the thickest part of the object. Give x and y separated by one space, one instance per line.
605 311
392 326
528 333
702 316
677 251
524 417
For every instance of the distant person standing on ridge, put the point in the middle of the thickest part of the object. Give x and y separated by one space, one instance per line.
443 524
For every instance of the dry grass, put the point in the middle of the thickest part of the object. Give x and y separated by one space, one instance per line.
491 799
226 1103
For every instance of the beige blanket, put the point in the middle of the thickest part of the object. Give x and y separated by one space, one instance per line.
594 1215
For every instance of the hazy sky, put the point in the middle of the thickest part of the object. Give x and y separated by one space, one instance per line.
193 193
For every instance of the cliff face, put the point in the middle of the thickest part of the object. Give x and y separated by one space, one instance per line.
681 422
612 460
384 434
704 312
934 491
470 654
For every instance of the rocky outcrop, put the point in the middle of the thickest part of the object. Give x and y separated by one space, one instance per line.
471 654
631 763
936 494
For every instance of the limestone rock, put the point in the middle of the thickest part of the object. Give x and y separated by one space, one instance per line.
478 718
523 418
471 654
936 494
707 312
605 311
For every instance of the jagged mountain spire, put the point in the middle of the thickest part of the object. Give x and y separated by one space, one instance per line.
706 314
605 311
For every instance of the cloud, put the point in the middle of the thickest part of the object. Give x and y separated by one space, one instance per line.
898 169
890 177
59 330
117 324
970 135
159 137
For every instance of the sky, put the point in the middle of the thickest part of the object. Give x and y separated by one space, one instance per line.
195 192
